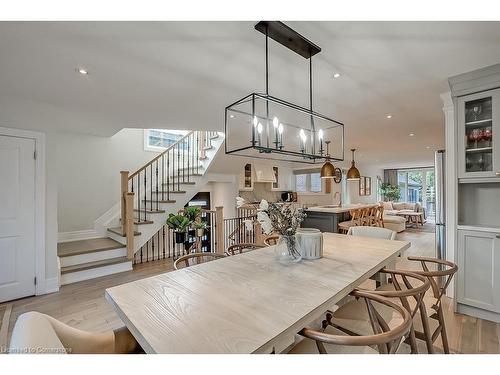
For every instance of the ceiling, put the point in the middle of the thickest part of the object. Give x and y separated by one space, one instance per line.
182 75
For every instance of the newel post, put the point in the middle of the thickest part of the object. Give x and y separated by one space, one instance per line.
202 144
219 226
123 191
259 236
129 224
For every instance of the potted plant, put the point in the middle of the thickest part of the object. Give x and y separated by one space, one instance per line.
179 223
193 214
390 192
200 227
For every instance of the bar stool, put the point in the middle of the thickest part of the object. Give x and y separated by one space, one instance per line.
384 337
356 216
271 240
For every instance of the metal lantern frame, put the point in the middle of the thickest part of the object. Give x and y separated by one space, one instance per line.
289 38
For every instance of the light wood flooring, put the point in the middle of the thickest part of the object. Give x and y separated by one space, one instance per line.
82 304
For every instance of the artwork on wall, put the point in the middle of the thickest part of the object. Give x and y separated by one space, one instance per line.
365 186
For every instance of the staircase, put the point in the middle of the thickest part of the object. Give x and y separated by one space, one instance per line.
137 224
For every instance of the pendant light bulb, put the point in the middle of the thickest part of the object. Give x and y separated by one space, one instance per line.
259 128
276 122
320 134
302 135
255 121
280 129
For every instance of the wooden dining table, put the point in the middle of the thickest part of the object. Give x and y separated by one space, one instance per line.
247 303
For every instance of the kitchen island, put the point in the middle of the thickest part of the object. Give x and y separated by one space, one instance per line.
327 218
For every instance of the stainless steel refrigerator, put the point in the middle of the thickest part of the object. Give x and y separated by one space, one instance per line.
439 164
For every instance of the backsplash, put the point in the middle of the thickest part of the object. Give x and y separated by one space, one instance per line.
261 190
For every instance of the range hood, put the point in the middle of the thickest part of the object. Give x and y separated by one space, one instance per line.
264 173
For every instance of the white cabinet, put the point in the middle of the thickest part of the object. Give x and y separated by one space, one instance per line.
478 278
283 179
478 117
247 178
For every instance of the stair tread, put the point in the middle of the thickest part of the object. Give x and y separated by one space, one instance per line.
171 192
118 231
96 264
65 249
151 211
160 201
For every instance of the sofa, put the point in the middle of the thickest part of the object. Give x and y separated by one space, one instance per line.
391 210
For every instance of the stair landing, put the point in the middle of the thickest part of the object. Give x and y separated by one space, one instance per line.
66 249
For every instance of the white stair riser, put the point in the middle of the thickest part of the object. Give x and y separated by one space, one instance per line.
92 257
74 277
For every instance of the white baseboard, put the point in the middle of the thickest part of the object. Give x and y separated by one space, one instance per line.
77 235
47 286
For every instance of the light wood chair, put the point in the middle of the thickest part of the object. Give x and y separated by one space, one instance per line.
374 232
408 288
37 333
382 339
356 217
196 258
242 248
432 307
271 240
379 216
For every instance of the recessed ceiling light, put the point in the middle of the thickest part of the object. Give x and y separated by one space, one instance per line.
232 116
336 75
82 71
411 134
388 116
428 147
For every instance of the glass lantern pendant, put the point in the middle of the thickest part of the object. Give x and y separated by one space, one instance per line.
263 126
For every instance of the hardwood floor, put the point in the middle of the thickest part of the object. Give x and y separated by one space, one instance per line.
82 304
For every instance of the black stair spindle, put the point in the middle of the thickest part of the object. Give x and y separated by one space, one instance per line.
163 242
153 248
178 170
151 185
168 176
157 199
162 177
145 192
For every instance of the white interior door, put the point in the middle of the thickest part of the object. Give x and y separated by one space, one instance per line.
17 217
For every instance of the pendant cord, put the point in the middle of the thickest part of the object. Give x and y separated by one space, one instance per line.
267 60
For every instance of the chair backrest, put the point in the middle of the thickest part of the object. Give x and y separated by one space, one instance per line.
196 258
271 240
242 248
374 232
406 285
356 215
440 278
37 333
385 338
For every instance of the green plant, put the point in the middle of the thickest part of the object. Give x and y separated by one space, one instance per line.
390 192
192 213
178 223
200 225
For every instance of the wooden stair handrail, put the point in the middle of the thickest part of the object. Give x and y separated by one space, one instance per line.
160 155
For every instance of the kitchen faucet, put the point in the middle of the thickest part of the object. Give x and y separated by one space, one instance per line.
340 197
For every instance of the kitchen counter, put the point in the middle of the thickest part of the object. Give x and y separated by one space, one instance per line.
327 218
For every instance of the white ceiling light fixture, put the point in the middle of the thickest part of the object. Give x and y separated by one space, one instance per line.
411 134
336 75
82 71
389 116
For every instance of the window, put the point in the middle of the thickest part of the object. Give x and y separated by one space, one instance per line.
301 183
308 183
160 139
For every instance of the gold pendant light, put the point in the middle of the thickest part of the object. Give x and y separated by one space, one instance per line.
327 170
353 172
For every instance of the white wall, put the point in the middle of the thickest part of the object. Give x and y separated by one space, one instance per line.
88 170
353 186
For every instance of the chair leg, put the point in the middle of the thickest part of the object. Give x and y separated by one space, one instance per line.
427 331
413 341
444 336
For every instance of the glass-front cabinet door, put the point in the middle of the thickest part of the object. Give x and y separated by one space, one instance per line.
479 128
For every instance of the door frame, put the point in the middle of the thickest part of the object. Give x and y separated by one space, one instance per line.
39 138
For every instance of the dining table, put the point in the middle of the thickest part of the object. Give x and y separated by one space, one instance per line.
247 303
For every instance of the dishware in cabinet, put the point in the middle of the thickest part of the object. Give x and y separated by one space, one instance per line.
247 178
478 281
478 129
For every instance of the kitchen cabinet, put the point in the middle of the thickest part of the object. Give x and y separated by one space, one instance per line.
247 178
478 277
478 117
283 180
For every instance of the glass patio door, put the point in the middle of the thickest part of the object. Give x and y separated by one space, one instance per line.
417 186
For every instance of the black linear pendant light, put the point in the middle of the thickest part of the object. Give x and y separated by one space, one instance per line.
263 126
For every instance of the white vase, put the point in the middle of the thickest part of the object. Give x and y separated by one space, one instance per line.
310 243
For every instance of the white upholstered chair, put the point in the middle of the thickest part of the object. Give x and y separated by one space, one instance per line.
374 232
37 333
